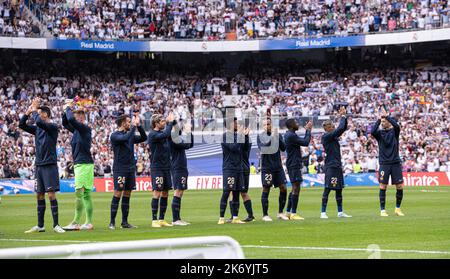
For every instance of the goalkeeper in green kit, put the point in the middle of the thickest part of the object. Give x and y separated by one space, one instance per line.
75 122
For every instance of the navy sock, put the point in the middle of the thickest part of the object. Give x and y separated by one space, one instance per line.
54 208
248 207
162 208
176 205
294 203
289 203
382 199
155 204
281 201
399 198
265 203
339 199
125 209
114 207
41 212
230 203
223 203
235 203
326 192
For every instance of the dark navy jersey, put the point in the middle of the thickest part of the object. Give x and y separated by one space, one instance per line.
81 139
293 143
123 148
178 152
330 142
159 148
46 137
271 162
388 142
246 148
232 153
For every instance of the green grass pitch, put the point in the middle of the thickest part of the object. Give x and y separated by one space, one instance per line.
423 233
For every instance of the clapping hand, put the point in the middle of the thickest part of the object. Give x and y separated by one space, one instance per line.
136 121
170 117
309 125
342 111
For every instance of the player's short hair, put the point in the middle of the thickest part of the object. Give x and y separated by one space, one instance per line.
327 123
79 111
121 119
290 123
46 110
156 118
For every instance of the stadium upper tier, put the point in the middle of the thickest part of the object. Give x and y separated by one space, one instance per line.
210 20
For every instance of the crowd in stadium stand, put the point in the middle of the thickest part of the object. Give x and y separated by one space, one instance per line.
15 22
419 99
213 19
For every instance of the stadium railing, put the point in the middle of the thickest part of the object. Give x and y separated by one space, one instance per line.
208 247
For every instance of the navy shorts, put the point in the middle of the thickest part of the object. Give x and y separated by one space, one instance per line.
273 178
334 178
295 175
233 181
124 181
179 179
246 177
161 180
47 179
393 171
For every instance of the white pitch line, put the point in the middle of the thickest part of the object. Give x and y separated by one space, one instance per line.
44 240
346 249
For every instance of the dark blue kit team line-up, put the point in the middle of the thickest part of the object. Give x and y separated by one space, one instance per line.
169 163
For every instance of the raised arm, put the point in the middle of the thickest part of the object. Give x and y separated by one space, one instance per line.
247 144
75 123
394 124
66 123
375 132
282 143
116 138
142 136
26 127
47 126
340 128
